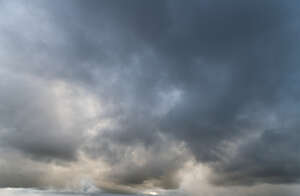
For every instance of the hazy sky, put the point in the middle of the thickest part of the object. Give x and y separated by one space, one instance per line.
161 97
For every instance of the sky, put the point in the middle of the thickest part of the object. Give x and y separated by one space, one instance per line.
138 97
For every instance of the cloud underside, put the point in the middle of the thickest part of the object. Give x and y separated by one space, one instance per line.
134 95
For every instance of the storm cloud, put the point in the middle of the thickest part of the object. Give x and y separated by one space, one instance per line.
133 95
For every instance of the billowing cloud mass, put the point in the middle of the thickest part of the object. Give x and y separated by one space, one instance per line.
150 97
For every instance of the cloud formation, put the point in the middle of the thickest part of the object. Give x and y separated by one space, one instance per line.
130 94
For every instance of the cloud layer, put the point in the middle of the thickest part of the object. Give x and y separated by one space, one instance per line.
132 95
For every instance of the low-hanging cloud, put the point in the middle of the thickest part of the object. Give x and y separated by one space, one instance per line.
145 88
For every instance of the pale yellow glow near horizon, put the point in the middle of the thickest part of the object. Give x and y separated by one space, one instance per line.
151 193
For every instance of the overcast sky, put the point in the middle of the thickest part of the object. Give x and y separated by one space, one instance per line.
140 97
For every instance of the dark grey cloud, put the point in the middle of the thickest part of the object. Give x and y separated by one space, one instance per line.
212 76
272 158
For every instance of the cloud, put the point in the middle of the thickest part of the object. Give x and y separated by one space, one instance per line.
37 118
142 89
272 158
